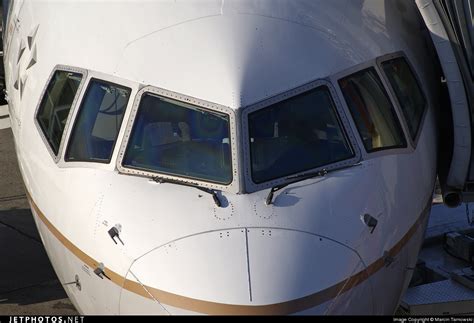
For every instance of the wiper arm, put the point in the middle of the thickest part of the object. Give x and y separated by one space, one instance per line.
297 178
302 177
204 189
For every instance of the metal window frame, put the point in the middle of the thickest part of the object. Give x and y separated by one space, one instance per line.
62 68
79 109
250 185
372 64
233 186
134 86
401 55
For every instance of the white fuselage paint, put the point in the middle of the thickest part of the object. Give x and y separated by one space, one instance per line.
191 256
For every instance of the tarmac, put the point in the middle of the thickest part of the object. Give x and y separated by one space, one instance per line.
28 283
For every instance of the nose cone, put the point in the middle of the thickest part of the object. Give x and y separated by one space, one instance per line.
246 271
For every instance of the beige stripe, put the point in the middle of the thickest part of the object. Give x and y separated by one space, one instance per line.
116 278
207 307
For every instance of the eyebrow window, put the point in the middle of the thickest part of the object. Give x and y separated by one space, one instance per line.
407 91
98 122
56 104
372 111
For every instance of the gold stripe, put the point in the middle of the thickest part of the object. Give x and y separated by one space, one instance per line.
86 259
207 307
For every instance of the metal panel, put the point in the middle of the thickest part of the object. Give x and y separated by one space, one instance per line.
444 297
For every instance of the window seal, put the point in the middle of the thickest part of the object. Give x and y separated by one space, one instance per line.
79 108
64 68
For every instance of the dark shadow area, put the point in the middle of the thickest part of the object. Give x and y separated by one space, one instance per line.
21 221
28 284
27 271
286 199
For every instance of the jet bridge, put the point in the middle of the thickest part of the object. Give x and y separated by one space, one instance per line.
451 27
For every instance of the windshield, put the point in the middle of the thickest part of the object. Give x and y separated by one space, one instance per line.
177 138
296 135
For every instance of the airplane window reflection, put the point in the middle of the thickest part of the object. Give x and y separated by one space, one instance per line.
176 138
54 109
295 135
98 122
372 111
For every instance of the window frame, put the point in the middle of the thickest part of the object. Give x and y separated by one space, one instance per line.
250 185
233 186
390 100
334 78
77 112
385 58
63 68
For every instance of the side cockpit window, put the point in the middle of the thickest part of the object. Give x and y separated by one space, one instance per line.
372 111
408 92
98 122
55 106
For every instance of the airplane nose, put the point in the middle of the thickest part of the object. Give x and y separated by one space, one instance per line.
246 271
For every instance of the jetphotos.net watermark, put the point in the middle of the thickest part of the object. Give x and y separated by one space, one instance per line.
46 319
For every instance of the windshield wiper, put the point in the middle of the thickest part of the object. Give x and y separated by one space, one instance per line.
302 177
204 189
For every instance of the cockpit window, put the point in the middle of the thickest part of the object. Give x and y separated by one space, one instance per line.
98 122
295 135
372 111
54 109
180 139
408 92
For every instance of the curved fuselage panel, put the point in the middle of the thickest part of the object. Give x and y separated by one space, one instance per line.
312 249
